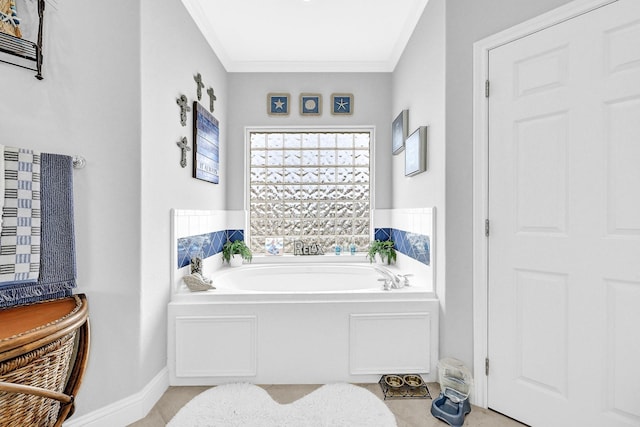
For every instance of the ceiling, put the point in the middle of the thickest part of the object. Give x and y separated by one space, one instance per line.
307 35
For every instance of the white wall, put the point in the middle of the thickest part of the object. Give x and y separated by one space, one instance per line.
89 104
173 51
248 107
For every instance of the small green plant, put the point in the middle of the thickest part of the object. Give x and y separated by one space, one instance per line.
237 247
384 248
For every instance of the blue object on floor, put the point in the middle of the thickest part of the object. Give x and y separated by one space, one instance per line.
451 407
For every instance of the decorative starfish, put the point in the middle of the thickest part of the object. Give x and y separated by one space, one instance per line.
342 104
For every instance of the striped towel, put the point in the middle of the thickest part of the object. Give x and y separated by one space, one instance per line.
58 258
20 235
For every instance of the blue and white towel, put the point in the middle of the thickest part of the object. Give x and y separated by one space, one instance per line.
20 235
57 275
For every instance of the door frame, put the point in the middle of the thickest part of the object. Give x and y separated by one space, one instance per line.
481 51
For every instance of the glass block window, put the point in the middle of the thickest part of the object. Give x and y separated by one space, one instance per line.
309 186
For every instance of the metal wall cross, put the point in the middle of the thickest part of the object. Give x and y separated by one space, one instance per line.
184 108
183 150
198 79
212 98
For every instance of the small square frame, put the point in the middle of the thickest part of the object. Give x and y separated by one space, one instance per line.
342 104
415 152
278 104
310 104
273 246
399 132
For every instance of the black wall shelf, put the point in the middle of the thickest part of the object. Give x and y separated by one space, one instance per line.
24 53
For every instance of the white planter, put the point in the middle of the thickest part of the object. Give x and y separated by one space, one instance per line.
235 261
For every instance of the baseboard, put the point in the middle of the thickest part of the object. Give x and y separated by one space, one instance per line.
128 410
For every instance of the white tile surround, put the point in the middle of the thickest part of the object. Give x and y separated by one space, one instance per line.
185 223
194 222
414 220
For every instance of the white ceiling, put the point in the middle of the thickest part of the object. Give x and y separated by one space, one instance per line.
307 35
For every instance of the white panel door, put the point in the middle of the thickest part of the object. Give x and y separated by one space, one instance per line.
564 206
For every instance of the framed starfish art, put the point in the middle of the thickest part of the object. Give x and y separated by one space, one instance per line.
278 104
342 104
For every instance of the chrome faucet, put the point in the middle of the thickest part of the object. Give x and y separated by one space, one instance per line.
391 280
404 278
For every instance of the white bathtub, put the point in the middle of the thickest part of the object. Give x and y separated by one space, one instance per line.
301 323
301 278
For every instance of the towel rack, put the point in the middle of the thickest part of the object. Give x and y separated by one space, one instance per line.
79 162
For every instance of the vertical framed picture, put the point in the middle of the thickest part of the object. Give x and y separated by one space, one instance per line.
278 104
206 145
415 152
399 132
342 104
310 104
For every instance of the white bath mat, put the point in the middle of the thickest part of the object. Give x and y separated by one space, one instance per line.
247 405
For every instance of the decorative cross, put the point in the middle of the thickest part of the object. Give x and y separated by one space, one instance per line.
212 98
183 148
198 79
184 108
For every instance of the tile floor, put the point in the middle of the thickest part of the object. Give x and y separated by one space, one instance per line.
409 413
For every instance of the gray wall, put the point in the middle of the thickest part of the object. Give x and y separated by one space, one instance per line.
169 60
467 22
433 79
419 86
109 94
248 107
89 104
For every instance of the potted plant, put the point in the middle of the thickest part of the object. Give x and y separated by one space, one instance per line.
236 251
384 249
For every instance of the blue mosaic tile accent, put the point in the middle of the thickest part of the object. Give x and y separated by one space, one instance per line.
219 239
382 234
234 235
416 246
207 244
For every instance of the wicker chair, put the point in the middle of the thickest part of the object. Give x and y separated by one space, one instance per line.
44 349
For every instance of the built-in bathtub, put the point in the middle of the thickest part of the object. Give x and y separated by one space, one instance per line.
299 323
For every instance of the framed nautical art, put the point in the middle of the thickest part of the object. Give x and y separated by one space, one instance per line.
415 152
310 104
342 104
206 145
399 132
278 104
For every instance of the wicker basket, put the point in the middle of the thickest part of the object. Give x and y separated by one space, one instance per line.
46 367
44 349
